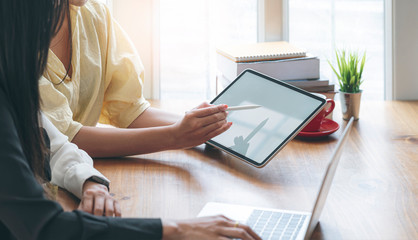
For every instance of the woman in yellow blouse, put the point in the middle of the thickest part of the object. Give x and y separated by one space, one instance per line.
96 76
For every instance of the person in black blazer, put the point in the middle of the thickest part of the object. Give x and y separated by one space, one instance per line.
25 212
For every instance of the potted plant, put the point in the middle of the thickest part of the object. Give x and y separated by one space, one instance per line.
349 74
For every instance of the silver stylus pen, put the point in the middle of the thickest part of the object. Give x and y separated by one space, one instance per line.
244 107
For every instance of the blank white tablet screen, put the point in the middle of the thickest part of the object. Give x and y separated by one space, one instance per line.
257 133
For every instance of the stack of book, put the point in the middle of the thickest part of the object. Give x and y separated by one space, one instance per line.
280 60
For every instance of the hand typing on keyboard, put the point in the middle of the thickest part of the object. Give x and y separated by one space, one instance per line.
215 227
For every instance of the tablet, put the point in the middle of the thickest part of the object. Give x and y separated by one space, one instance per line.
258 134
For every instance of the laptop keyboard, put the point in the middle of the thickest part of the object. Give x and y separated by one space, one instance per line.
276 225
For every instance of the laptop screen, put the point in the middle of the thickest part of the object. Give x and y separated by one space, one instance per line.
257 134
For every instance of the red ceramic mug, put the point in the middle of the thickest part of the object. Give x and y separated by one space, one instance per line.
315 124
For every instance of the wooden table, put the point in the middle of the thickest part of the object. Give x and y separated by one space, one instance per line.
374 193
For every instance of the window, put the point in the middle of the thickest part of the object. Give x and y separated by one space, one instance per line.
190 30
320 26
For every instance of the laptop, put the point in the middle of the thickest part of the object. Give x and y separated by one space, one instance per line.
283 224
257 135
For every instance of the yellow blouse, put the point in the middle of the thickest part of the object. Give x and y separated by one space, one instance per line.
107 73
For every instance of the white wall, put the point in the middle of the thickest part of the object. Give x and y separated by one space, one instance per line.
272 20
405 49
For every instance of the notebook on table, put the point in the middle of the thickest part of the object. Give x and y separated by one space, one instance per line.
283 224
265 51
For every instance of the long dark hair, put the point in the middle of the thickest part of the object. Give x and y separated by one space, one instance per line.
27 27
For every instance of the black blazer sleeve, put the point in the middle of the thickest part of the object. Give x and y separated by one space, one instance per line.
26 214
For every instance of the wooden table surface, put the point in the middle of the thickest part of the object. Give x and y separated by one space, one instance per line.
374 194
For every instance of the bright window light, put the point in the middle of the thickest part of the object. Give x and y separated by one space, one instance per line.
320 26
190 30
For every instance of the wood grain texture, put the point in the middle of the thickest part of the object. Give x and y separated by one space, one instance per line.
374 194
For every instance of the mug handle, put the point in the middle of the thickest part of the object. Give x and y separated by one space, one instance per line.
331 108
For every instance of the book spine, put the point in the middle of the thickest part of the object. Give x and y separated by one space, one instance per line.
308 83
285 70
319 88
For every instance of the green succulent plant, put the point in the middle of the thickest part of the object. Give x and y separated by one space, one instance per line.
350 70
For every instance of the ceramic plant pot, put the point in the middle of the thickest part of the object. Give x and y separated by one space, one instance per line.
350 105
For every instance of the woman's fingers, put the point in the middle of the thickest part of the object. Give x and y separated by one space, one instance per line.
99 204
200 125
218 130
205 121
118 211
208 119
86 204
235 232
109 207
205 228
239 230
206 132
207 111
246 229
98 201
112 208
